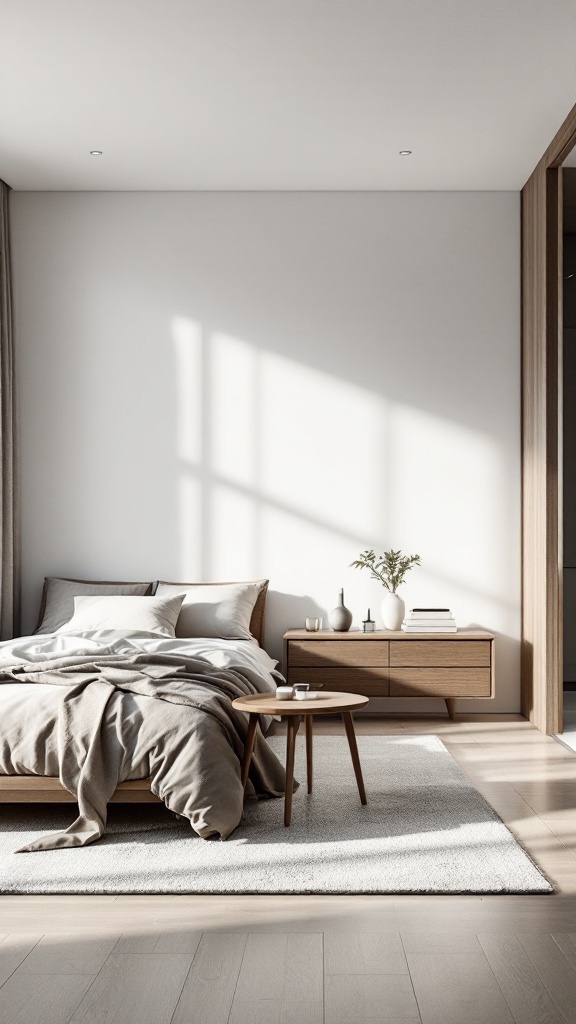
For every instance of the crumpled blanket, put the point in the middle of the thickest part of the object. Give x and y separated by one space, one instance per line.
176 710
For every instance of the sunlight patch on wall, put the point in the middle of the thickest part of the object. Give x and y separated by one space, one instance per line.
191 525
187 338
448 500
233 407
303 556
320 448
233 533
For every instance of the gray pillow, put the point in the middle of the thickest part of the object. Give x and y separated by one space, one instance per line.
57 606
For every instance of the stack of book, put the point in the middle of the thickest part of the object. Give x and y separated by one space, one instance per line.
429 620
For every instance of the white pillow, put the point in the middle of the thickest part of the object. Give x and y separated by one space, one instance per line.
219 610
140 614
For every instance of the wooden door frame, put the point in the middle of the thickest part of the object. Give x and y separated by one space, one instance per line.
541 657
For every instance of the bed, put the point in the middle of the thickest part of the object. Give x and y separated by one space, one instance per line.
123 694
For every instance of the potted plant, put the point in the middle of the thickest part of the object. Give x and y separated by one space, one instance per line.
389 569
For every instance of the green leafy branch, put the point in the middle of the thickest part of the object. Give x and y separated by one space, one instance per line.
389 569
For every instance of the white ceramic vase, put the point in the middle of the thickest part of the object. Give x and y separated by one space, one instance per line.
392 609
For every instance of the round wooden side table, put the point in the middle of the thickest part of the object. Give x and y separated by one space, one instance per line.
324 703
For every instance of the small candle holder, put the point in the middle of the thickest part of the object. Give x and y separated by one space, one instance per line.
368 624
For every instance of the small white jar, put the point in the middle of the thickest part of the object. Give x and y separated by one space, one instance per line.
284 693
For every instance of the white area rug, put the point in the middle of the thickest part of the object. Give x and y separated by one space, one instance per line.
425 830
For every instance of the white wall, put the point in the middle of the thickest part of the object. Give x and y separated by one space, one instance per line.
227 386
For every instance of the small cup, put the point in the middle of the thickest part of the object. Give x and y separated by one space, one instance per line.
300 691
284 692
313 623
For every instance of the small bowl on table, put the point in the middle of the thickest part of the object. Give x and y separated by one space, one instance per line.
284 693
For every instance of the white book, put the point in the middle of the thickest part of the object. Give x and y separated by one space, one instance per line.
430 623
448 628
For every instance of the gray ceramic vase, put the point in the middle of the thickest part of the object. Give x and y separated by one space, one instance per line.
340 618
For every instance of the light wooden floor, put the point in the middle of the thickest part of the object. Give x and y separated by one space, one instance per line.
324 959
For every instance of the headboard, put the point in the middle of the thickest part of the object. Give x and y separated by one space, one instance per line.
258 615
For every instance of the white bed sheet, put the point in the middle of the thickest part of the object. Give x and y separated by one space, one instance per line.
220 653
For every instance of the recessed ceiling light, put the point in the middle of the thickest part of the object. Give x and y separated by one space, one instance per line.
405 152
95 152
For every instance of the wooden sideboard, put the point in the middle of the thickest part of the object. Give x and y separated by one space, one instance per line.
393 664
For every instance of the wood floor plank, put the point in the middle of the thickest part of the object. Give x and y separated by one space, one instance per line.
274 1011
369 999
14 948
567 943
564 826
493 919
281 979
364 953
455 988
525 994
286 967
549 797
169 941
209 988
135 988
39 999
554 913
61 953
554 970
301 1013
456 940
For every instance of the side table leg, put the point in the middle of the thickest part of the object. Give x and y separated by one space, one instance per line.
293 723
349 726
309 751
249 746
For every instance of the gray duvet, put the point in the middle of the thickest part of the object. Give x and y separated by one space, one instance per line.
170 715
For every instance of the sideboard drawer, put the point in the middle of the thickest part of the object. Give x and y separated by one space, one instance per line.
439 653
324 653
440 682
372 682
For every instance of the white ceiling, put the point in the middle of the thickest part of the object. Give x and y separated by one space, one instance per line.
281 94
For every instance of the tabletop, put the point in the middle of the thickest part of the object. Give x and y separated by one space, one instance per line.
325 702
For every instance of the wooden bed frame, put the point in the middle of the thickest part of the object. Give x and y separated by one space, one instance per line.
40 789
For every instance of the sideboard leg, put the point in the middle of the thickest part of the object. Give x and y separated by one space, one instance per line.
451 707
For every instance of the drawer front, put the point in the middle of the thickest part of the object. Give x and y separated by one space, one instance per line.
440 653
327 653
440 682
371 682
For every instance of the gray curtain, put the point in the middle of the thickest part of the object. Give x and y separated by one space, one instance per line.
9 511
